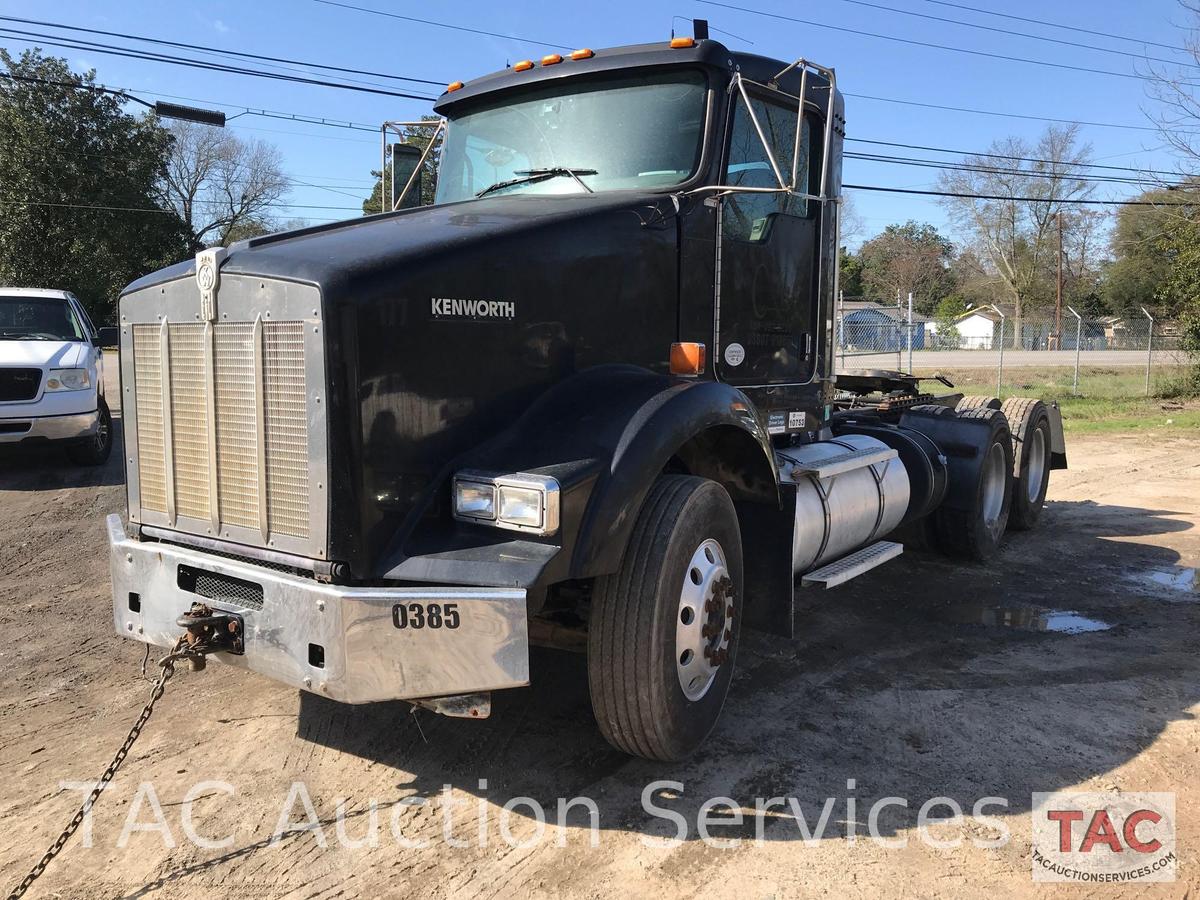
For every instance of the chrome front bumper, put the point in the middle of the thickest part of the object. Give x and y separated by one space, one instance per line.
366 657
51 428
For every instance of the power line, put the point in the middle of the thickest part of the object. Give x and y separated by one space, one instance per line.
986 112
990 170
198 47
1021 34
891 37
1115 37
132 53
965 196
1029 159
391 15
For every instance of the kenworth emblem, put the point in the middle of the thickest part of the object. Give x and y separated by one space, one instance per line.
208 279
452 307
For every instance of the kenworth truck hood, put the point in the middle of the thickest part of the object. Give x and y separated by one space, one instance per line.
442 324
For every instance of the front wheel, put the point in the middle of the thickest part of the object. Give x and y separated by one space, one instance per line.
95 450
663 630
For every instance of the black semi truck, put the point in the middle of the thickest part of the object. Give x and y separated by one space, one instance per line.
585 398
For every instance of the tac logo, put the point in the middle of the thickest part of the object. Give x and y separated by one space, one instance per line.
1104 837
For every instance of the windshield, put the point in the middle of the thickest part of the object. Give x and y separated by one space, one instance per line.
38 319
605 134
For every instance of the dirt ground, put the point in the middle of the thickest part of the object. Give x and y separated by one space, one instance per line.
907 682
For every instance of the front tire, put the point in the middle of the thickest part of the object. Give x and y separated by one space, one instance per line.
95 450
664 629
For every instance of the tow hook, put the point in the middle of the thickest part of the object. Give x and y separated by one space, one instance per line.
210 632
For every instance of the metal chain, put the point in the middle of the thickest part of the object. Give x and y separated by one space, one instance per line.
167 663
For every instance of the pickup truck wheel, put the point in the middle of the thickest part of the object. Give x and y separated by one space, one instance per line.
1030 425
664 629
94 451
971 520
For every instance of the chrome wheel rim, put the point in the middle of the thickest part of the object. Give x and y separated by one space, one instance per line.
1035 450
994 485
704 620
102 434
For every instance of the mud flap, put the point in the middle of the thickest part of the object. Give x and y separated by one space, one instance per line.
768 582
1058 441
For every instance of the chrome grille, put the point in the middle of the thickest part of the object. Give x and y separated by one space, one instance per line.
222 429
147 362
286 425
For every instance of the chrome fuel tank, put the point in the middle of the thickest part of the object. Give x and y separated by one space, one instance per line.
842 512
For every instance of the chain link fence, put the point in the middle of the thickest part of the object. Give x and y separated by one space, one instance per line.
1111 355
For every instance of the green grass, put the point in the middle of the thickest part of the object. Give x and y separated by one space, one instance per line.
1109 399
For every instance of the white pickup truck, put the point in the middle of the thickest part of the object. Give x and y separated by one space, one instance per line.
52 375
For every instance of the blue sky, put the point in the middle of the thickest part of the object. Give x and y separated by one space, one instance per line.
339 159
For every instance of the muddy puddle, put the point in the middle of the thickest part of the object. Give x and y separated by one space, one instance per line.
1024 618
1181 581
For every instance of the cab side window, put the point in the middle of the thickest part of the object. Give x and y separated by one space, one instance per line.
749 216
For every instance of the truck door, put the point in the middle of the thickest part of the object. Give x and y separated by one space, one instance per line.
766 292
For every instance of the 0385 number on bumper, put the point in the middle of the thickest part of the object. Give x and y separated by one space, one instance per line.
352 644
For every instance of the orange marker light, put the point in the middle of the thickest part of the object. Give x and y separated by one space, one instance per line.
454 86
687 359
523 65
681 43
551 59
583 53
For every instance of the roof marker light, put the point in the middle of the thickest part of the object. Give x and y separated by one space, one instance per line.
454 86
523 66
583 53
551 59
681 43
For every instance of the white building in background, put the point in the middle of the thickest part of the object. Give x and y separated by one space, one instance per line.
978 329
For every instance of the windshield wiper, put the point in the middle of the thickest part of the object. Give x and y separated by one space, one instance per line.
531 176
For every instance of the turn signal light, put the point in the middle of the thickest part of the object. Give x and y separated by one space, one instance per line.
583 53
551 59
687 359
681 43
454 86
523 65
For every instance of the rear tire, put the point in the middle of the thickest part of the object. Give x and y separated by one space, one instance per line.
971 520
664 618
94 450
1030 424
966 404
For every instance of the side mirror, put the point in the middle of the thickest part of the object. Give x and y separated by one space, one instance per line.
108 337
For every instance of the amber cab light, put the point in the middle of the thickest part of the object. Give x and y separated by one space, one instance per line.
681 43
583 53
551 59
454 86
523 65
687 359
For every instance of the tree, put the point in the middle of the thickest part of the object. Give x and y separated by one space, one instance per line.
79 181
910 259
419 136
223 187
850 276
1015 233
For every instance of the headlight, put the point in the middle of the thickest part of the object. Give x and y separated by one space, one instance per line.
520 502
68 380
475 499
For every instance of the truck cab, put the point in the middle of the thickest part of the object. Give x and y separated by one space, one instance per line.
52 375
585 397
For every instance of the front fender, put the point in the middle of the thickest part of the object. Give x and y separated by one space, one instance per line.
653 433
606 434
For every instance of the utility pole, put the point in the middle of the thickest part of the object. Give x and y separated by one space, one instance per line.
1056 337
